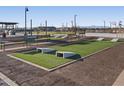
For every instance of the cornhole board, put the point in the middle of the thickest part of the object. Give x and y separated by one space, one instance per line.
100 39
45 50
114 40
64 54
65 36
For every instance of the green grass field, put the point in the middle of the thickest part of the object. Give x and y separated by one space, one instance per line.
83 48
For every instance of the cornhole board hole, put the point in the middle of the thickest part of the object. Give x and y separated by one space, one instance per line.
100 39
64 54
46 50
114 40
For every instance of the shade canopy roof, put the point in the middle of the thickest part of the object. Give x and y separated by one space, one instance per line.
9 23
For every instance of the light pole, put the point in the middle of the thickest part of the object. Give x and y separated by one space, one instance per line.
26 10
25 34
75 23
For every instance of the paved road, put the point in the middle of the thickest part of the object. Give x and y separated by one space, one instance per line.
100 69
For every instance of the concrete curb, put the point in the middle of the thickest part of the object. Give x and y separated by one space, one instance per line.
28 62
10 49
81 58
7 80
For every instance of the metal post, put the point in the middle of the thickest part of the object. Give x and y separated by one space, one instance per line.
75 23
66 26
25 35
72 24
31 26
46 27
63 27
104 25
110 25
25 21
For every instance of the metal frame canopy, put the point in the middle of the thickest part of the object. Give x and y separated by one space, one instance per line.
8 25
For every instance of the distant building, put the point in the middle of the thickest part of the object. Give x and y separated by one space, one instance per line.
49 28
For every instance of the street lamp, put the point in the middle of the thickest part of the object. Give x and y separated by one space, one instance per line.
26 10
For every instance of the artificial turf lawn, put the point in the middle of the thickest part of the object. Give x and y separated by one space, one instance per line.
45 60
49 61
84 48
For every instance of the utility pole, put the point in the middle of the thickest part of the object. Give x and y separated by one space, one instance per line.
31 26
75 24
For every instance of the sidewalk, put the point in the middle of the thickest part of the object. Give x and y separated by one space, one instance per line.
7 80
120 80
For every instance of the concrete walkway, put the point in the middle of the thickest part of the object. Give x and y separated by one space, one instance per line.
2 83
7 80
106 35
120 80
